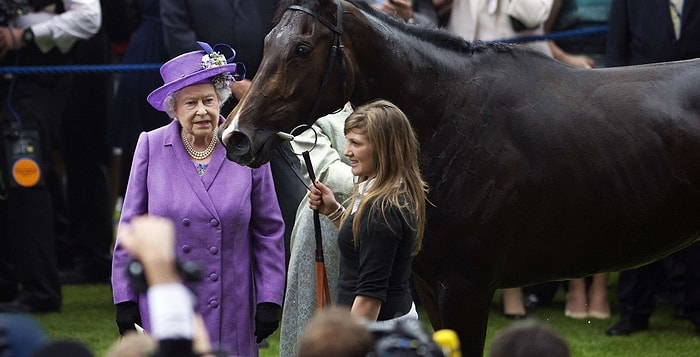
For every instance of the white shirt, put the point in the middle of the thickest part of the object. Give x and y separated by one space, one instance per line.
362 187
488 20
80 20
171 311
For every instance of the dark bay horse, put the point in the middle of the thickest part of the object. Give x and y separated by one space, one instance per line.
539 171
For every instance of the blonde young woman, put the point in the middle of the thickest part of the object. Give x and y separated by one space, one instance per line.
382 230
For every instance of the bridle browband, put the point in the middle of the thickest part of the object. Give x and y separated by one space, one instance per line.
336 51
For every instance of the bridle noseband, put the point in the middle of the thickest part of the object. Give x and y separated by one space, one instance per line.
336 53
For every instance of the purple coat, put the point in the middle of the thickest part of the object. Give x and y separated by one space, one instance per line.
227 220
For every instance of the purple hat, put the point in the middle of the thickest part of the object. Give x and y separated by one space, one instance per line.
196 67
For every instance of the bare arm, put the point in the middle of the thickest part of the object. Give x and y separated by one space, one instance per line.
580 61
367 307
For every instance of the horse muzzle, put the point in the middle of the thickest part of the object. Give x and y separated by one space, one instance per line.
238 148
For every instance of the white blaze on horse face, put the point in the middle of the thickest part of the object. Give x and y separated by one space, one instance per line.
230 129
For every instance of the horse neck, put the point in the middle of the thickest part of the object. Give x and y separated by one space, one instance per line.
418 77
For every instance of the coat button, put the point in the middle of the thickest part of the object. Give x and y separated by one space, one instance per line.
213 250
186 222
214 222
186 249
213 304
213 277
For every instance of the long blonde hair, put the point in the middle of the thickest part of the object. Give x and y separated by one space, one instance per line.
397 175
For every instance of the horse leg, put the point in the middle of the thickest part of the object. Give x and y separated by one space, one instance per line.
464 308
428 300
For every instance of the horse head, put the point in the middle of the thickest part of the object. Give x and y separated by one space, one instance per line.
305 73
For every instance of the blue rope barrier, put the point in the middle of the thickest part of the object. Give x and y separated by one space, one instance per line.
98 68
594 30
84 68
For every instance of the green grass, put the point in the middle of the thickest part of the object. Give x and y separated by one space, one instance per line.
88 316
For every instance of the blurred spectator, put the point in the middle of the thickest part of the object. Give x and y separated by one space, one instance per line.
85 251
30 114
63 348
133 345
491 20
179 330
648 32
20 335
419 12
333 331
585 300
131 114
580 15
528 339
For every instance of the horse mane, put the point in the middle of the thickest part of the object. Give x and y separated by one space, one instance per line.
439 37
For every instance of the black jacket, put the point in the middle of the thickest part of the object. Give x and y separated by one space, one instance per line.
642 32
242 24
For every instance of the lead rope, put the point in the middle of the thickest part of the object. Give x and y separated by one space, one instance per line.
323 295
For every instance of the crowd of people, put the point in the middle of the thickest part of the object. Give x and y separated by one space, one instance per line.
251 230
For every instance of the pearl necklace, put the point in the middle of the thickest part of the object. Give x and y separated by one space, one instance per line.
200 155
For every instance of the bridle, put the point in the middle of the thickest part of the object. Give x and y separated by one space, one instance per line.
337 53
322 289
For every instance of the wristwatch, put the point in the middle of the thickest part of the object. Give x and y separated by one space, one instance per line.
28 36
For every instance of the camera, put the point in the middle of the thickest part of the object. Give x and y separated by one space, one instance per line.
402 338
188 271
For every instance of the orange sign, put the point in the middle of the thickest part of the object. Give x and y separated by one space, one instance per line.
26 172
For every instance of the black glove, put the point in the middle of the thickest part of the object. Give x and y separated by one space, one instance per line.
128 314
267 319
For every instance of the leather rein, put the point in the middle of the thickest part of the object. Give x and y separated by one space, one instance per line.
337 53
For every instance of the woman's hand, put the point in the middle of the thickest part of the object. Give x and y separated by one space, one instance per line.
151 240
400 8
321 198
580 61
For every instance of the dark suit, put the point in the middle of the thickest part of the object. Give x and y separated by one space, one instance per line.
242 24
85 251
27 261
642 32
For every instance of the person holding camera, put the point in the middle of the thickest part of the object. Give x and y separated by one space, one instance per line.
175 326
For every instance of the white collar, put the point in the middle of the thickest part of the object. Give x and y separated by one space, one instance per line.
362 188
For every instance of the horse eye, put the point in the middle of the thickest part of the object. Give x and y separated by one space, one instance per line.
302 51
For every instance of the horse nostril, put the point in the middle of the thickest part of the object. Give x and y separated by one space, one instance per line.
239 141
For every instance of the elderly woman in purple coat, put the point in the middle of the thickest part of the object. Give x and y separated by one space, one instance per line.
227 216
